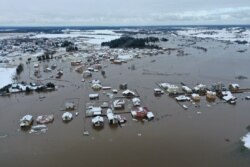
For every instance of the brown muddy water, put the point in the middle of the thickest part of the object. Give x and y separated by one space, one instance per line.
205 136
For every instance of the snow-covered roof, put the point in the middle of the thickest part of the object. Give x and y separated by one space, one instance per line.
67 116
150 115
94 109
182 97
96 86
235 85
136 100
118 103
200 86
97 119
157 90
126 92
227 96
187 89
164 85
93 95
211 93
96 81
26 118
195 95
110 115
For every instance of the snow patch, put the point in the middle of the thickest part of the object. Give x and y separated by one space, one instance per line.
92 37
6 76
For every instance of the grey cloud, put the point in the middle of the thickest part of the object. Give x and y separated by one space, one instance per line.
129 12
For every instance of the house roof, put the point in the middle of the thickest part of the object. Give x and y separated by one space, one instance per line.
97 119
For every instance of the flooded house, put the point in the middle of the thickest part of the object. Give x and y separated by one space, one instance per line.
76 63
158 92
136 101
94 96
173 89
96 87
45 119
128 93
111 117
139 112
195 97
87 74
187 89
119 104
69 106
211 96
234 87
26 121
164 85
98 121
182 98
67 116
228 97
150 116
93 111
79 69
200 89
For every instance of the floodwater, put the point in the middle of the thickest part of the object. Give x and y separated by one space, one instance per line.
205 136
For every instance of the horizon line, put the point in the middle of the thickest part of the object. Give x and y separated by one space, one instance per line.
36 26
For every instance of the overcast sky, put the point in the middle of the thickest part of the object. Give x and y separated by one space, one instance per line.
123 12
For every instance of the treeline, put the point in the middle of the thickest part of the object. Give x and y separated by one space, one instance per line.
130 42
70 46
241 42
19 69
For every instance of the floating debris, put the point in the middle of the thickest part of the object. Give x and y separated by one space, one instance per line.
3 136
85 133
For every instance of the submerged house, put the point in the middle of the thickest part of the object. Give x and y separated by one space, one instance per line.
96 87
136 101
200 89
158 92
93 111
26 121
211 96
98 121
150 116
234 87
196 97
173 89
164 85
139 112
228 97
70 106
128 93
111 117
44 119
187 89
67 116
182 98
87 74
93 96
119 104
